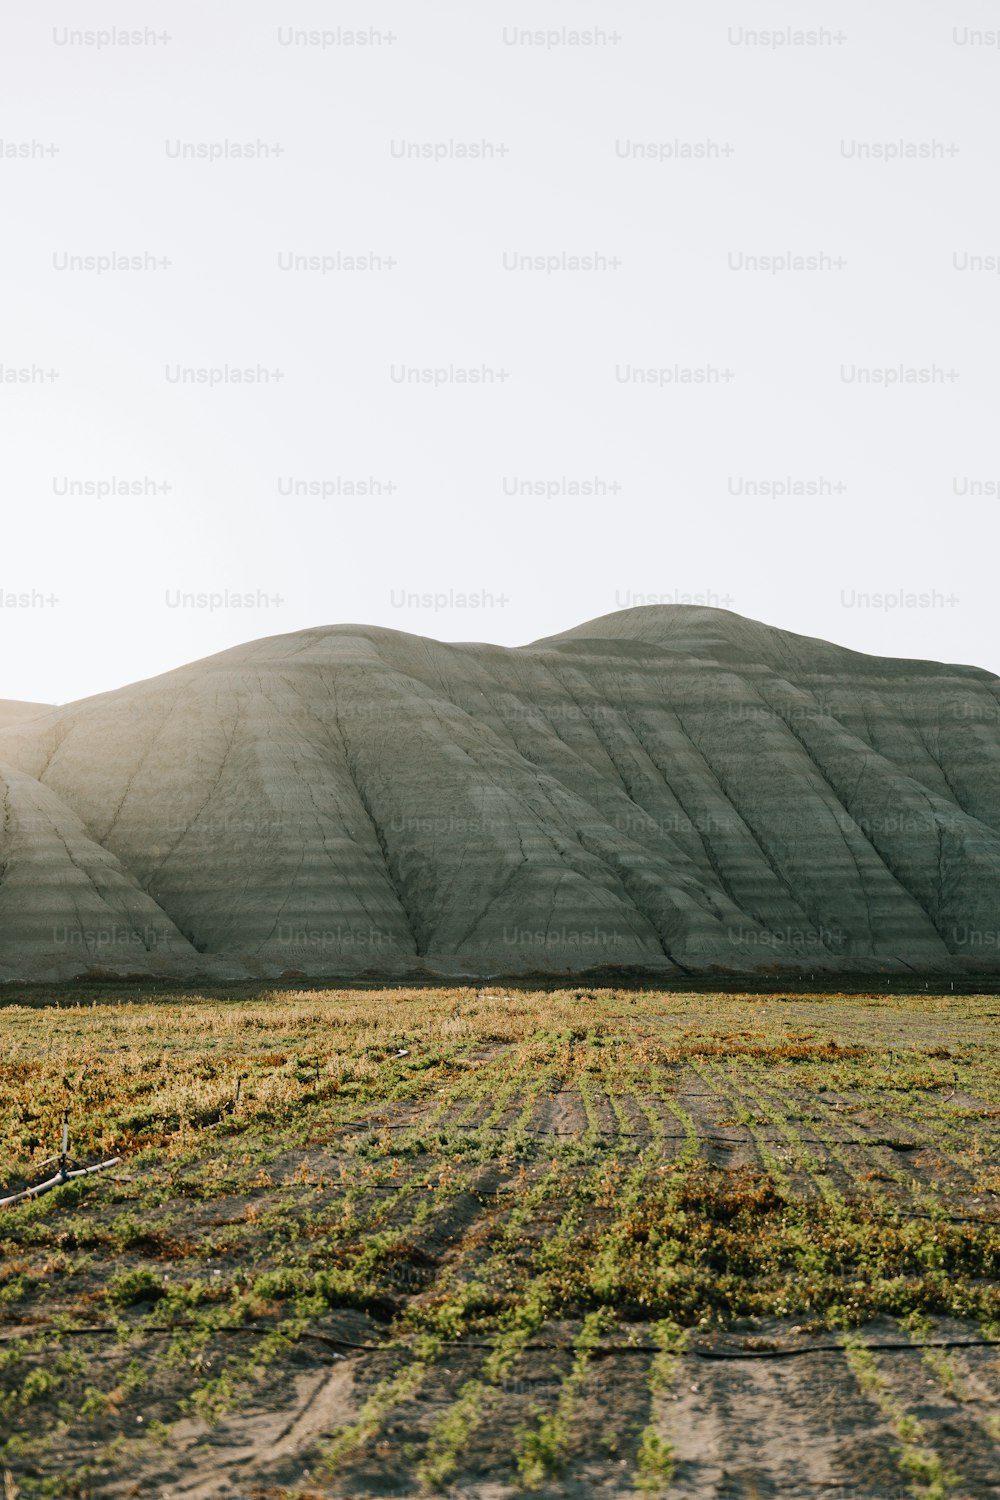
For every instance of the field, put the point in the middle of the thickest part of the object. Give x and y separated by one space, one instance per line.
488 1243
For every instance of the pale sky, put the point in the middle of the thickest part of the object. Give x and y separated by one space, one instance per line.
458 152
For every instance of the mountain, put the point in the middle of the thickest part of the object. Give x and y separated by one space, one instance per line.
671 789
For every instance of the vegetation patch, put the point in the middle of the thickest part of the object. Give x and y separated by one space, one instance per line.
423 1241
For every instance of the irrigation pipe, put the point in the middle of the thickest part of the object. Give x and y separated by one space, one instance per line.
61 1176
705 1352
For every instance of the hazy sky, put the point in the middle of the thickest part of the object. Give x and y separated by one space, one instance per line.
681 148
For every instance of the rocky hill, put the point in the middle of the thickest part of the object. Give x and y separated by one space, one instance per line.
670 789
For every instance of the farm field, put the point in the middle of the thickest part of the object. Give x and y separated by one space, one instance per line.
484 1243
